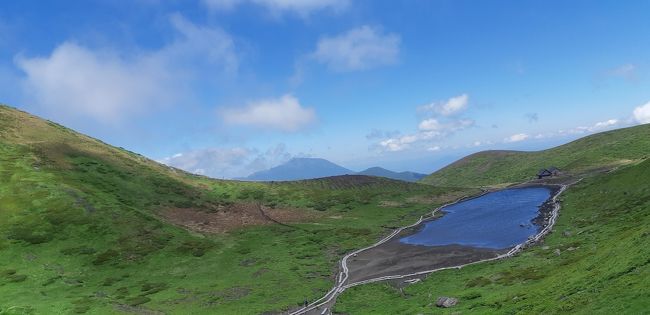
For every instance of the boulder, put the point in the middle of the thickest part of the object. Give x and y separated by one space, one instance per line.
445 302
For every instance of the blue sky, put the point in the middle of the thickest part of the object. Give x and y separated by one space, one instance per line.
229 87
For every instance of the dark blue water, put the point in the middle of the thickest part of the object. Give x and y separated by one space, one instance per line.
491 221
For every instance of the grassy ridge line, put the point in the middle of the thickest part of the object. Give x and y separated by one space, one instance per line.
95 164
602 150
603 265
79 231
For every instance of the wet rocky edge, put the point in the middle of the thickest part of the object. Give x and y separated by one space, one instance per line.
397 258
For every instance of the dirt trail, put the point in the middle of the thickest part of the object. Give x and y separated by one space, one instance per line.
391 261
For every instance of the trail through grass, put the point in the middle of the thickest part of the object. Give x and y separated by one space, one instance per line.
602 266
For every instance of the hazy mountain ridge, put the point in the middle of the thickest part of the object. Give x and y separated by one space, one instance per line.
310 168
382 172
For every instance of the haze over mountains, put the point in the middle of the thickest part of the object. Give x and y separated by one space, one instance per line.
308 168
382 172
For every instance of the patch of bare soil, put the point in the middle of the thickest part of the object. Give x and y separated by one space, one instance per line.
234 216
395 258
390 204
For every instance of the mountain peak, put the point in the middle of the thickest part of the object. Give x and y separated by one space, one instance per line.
300 168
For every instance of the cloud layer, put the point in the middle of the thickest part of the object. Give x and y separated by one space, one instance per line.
441 121
642 113
358 49
284 114
108 85
76 81
516 138
450 107
228 162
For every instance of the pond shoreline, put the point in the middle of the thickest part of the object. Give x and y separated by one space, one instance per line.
395 257
391 260
540 221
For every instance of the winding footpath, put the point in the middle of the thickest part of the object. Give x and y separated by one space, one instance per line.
343 276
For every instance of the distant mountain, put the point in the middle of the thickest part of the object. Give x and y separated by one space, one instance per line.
308 168
382 172
300 168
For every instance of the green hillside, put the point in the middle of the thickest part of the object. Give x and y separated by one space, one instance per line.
597 261
90 228
598 151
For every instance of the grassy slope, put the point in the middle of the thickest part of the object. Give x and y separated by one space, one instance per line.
603 267
605 149
79 230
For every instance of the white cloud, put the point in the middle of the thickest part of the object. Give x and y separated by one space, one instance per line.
108 86
434 148
218 163
361 48
285 114
516 138
398 144
642 113
452 106
81 82
431 124
208 45
599 126
433 128
301 7
228 162
604 124
429 129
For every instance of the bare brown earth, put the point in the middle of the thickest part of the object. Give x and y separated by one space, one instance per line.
396 258
234 216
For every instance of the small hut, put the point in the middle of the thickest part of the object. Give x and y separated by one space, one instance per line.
548 172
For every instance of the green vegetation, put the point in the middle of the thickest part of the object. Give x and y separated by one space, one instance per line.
603 266
82 230
599 151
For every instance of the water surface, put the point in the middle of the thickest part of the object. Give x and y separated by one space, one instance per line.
497 220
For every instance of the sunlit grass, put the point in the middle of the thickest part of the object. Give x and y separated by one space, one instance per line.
603 267
81 231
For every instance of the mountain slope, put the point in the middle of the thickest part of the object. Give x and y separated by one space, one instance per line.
595 262
382 172
300 168
89 228
602 150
